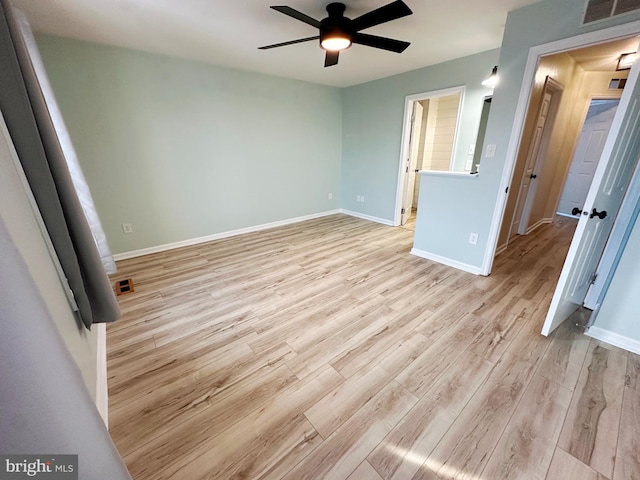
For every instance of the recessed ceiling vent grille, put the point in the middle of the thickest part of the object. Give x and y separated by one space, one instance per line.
602 9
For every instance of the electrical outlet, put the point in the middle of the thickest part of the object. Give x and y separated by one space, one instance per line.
473 238
330 196
491 151
358 198
362 198
127 228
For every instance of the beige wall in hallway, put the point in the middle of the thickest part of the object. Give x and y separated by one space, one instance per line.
579 88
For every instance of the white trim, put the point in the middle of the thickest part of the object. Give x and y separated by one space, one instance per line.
218 236
456 132
404 142
501 248
102 390
568 215
446 261
442 173
583 40
383 221
539 223
614 339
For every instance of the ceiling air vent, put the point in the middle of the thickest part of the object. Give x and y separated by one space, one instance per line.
601 9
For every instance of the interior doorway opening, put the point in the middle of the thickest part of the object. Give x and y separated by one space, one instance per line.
429 143
600 225
565 85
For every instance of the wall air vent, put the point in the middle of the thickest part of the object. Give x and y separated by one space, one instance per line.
602 9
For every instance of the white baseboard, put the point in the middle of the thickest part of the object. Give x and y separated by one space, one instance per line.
500 249
218 236
447 261
614 339
102 391
538 224
367 217
568 215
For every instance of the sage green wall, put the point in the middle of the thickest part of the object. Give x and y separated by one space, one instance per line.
446 231
372 123
181 149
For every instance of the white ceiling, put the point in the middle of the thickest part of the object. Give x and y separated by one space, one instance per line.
228 32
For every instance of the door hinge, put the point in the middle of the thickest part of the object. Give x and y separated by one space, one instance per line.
402 211
407 170
593 278
506 190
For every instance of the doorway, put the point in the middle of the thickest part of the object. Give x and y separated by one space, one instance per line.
611 178
547 146
428 143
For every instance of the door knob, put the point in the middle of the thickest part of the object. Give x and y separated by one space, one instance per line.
596 213
533 176
417 170
576 211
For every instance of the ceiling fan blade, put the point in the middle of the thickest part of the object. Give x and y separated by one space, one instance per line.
391 11
331 58
292 42
384 43
297 15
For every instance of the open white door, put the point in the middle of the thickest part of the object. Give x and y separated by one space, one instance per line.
610 183
411 161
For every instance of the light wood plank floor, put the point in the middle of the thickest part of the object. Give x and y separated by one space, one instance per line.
324 350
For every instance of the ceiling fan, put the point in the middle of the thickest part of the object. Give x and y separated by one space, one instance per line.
337 32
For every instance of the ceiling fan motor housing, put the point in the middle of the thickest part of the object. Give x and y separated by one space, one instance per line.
336 24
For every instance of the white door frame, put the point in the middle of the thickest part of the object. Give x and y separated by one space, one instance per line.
406 134
592 38
411 162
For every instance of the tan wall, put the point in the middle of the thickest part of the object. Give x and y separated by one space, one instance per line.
562 68
431 116
580 88
446 120
566 129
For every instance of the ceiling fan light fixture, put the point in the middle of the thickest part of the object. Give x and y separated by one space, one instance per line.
492 80
335 43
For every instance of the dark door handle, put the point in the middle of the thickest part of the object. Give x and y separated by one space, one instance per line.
576 211
416 170
601 215
533 176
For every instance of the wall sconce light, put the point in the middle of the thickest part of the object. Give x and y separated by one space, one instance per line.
492 80
626 61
